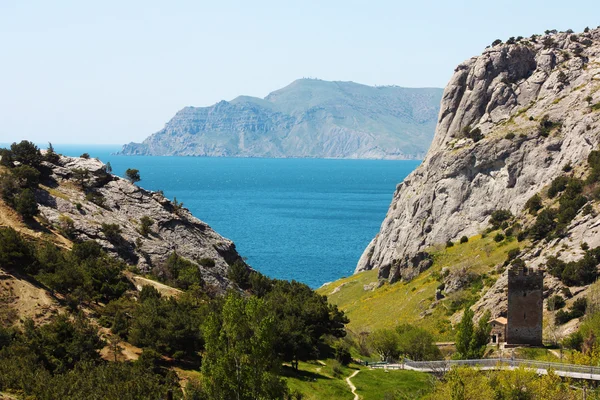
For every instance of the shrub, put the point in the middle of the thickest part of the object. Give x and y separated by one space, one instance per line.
509 136
81 176
449 243
145 224
499 237
342 353
500 216
95 197
66 225
549 43
546 126
51 155
512 254
239 274
133 175
555 302
85 155
562 317
473 134
568 167
26 176
544 224
112 232
26 153
464 239
574 341
26 205
534 204
594 164
496 42
206 262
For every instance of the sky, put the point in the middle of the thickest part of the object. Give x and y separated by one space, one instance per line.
117 71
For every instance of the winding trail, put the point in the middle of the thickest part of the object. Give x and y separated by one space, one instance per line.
352 387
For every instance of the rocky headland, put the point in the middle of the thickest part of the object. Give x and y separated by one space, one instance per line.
308 118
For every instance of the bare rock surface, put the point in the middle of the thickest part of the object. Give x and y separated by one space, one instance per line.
501 96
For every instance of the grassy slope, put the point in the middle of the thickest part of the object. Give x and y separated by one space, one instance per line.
318 382
379 384
403 302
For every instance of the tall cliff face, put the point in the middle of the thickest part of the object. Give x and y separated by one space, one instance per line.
79 206
308 118
510 120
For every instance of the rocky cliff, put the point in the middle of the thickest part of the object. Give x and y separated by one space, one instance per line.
308 118
510 122
83 204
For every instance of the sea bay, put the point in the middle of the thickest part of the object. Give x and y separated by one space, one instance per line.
302 219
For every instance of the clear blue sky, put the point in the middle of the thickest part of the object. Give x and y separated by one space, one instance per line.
116 71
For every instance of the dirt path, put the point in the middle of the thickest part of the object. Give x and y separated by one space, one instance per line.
352 387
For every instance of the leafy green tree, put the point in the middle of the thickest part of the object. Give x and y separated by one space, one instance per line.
239 361
544 224
133 175
386 343
26 153
26 205
534 204
112 232
145 224
239 274
81 176
416 343
60 344
471 340
15 252
51 155
303 318
26 176
168 325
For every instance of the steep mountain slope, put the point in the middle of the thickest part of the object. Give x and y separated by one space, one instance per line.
308 118
81 201
511 119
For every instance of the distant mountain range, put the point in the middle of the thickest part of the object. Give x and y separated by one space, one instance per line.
308 118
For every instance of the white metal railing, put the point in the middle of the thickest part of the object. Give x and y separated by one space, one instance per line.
491 363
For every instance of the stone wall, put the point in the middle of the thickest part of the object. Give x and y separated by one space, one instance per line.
525 306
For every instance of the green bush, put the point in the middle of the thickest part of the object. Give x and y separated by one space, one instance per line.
546 126
534 204
239 274
145 224
558 185
95 197
26 153
133 175
555 302
449 243
499 237
464 239
26 205
112 232
499 217
544 224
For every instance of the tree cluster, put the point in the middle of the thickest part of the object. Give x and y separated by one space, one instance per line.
404 341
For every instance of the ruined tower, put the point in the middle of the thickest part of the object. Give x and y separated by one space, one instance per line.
525 306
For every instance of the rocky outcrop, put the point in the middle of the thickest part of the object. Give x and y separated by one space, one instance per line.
308 118
78 204
490 150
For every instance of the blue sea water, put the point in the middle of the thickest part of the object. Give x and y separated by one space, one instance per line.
302 219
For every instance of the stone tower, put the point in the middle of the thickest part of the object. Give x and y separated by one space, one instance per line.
525 306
